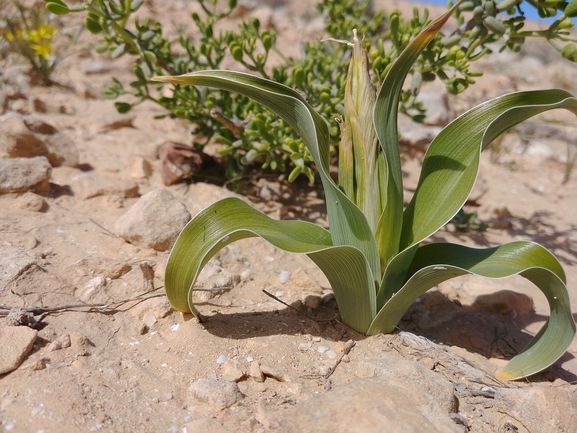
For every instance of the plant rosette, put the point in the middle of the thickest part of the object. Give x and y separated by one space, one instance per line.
372 255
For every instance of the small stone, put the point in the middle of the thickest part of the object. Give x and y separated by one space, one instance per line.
460 418
221 359
304 347
246 275
179 161
39 105
32 202
149 319
18 141
427 362
322 349
154 221
311 301
62 150
15 343
30 243
93 288
232 371
255 372
165 397
78 339
331 354
218 394
140 278
284 277
140 168
61 342
25 174
89 186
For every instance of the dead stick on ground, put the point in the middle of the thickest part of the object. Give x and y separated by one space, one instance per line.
104 308
329 373
296 309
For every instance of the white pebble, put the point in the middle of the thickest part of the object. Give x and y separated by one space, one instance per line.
317 339
221 359
331 354
279 294
249 359
175 327
322 349
165 397
284 276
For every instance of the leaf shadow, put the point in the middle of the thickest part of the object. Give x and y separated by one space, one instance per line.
283 321
487 327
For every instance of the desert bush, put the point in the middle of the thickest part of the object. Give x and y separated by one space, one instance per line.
372 256
252 134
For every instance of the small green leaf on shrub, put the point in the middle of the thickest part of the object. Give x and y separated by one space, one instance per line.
57 8
122 107
92 26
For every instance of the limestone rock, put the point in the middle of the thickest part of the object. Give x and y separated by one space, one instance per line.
26 137
376 404
90 186
62 150
18 140
60 343
24 174
541 408
154 221
218 394
140 278
391 367
32 202
13 261
15 343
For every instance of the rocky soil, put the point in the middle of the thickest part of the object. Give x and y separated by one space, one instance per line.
88 341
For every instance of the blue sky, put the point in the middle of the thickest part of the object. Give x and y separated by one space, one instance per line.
530 12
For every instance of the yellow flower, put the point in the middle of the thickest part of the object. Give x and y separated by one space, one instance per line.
42 49
11 37
44 31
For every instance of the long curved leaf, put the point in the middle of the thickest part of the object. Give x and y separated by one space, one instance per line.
232 219
451 163
347 223
435 263
385 121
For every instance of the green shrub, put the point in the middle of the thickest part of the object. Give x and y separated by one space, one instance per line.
253 134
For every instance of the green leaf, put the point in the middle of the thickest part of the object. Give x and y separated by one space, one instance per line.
57 7
347 223
451 163
435 263
232 219
385 122
93 26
